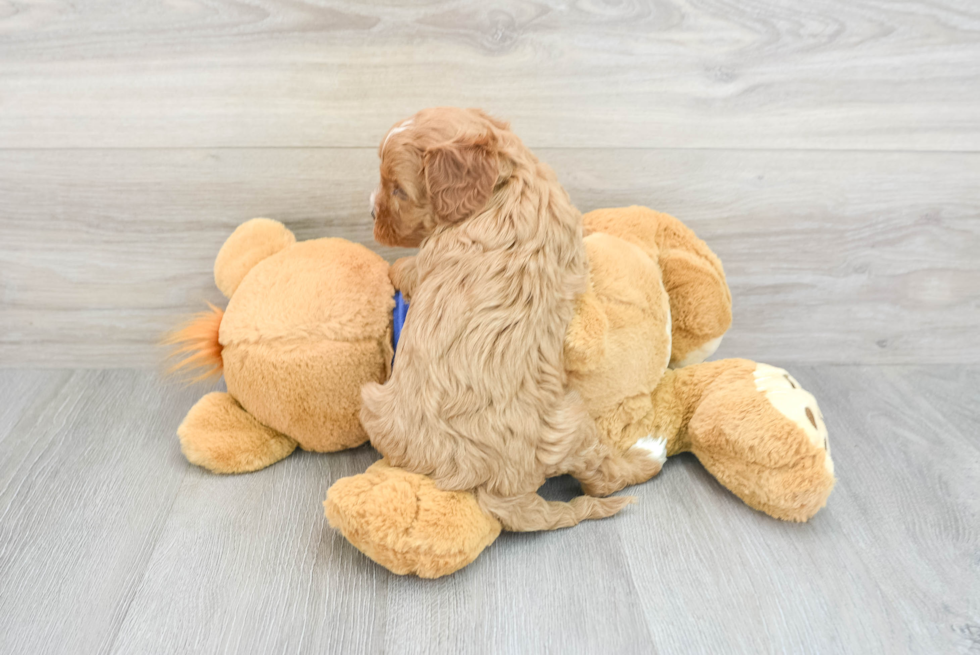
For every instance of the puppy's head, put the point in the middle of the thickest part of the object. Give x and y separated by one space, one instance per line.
437 168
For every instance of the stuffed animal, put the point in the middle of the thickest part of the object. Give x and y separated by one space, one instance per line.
308 323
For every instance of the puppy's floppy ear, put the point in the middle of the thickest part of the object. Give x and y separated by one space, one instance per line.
460 176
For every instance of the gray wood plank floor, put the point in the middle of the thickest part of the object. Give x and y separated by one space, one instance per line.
111 543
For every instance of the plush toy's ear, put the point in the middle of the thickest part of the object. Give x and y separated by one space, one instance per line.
249 244
460 176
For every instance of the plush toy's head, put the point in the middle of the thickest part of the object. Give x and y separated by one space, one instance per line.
306 325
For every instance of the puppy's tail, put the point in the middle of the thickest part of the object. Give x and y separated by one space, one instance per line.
196 345
531 512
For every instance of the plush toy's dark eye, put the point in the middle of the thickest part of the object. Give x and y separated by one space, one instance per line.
398 192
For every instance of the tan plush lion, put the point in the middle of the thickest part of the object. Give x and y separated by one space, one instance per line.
308 323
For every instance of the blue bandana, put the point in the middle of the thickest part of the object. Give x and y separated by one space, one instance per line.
399 314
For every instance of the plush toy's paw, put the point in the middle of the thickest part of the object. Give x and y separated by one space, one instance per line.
404 275
405 523
764 438
794 402
220 436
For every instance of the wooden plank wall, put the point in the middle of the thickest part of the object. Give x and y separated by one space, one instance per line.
829 151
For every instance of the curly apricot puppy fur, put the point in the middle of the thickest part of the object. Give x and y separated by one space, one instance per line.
477 398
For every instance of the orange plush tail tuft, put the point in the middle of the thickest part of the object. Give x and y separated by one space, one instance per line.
196 344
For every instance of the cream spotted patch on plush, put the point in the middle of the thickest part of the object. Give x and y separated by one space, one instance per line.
656 447
795 403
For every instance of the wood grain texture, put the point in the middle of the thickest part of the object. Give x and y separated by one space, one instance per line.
875 571
831 256
18 392
88 473
111 543
866 74
245 564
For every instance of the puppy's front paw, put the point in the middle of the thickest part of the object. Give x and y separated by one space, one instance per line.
656 448
403 275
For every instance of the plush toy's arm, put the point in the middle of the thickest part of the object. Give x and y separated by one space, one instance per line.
404 276
700 302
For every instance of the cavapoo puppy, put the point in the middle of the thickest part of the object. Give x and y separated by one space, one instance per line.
477 397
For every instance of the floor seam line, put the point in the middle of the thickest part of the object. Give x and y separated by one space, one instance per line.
146 567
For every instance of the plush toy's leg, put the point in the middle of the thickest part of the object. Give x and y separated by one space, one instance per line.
223 438
405 523
754 428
